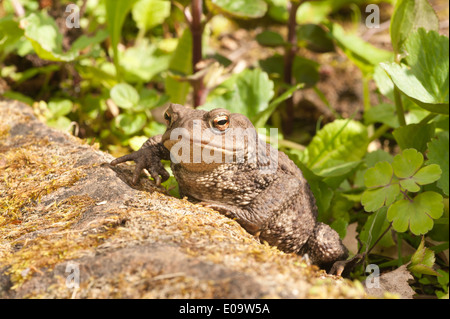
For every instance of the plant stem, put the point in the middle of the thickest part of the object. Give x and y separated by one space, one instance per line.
379 132
399 248
399 106
366 93
428 118
18 8
289 57
197 28
378 240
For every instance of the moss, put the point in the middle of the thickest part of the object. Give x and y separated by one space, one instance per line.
34 237
27 173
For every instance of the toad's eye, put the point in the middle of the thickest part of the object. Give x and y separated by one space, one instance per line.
168 118
221 122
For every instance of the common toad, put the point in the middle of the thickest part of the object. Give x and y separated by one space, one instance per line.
219 161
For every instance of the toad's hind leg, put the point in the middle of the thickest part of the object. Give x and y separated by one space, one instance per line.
324 247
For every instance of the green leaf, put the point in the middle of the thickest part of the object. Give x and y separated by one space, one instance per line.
315 11
428 174
336 143
438 154
172 187
150 13
248 93
19 97
375 225
410 15
270 39
382 187
407 167
136 142
60 107
130 124
10 33
306 71
426 78
407 164
334 176
422 261
410 185
61 123
322 192
414 136
181 62
84 41
142 62
116 12
362 53
376 198
278 10
379 176
416 214
43 33
124 95
382 113
244 9
262 117
314 38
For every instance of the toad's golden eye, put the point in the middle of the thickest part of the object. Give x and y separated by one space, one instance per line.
168 118
221 122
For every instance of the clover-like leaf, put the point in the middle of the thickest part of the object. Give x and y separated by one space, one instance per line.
408 163
374 199
428 174
416 214
378 176
407 167
381 189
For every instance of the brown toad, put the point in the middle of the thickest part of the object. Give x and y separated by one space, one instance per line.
219 161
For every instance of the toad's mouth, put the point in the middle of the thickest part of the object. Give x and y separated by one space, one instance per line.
214 150
199 145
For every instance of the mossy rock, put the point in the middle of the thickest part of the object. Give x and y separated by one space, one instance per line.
66 214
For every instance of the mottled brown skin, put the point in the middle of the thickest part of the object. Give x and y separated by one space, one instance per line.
278 207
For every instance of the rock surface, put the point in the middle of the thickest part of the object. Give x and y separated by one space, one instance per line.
71 226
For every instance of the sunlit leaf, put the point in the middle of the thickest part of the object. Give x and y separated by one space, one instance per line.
375 198
130 124
45 37
417 214
407 163
414 136
379 176
425 80
124 95
410 15
248 93
439 154
150 13
336 143
244 9
422 261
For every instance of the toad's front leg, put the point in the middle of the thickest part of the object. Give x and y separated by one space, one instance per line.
148 157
